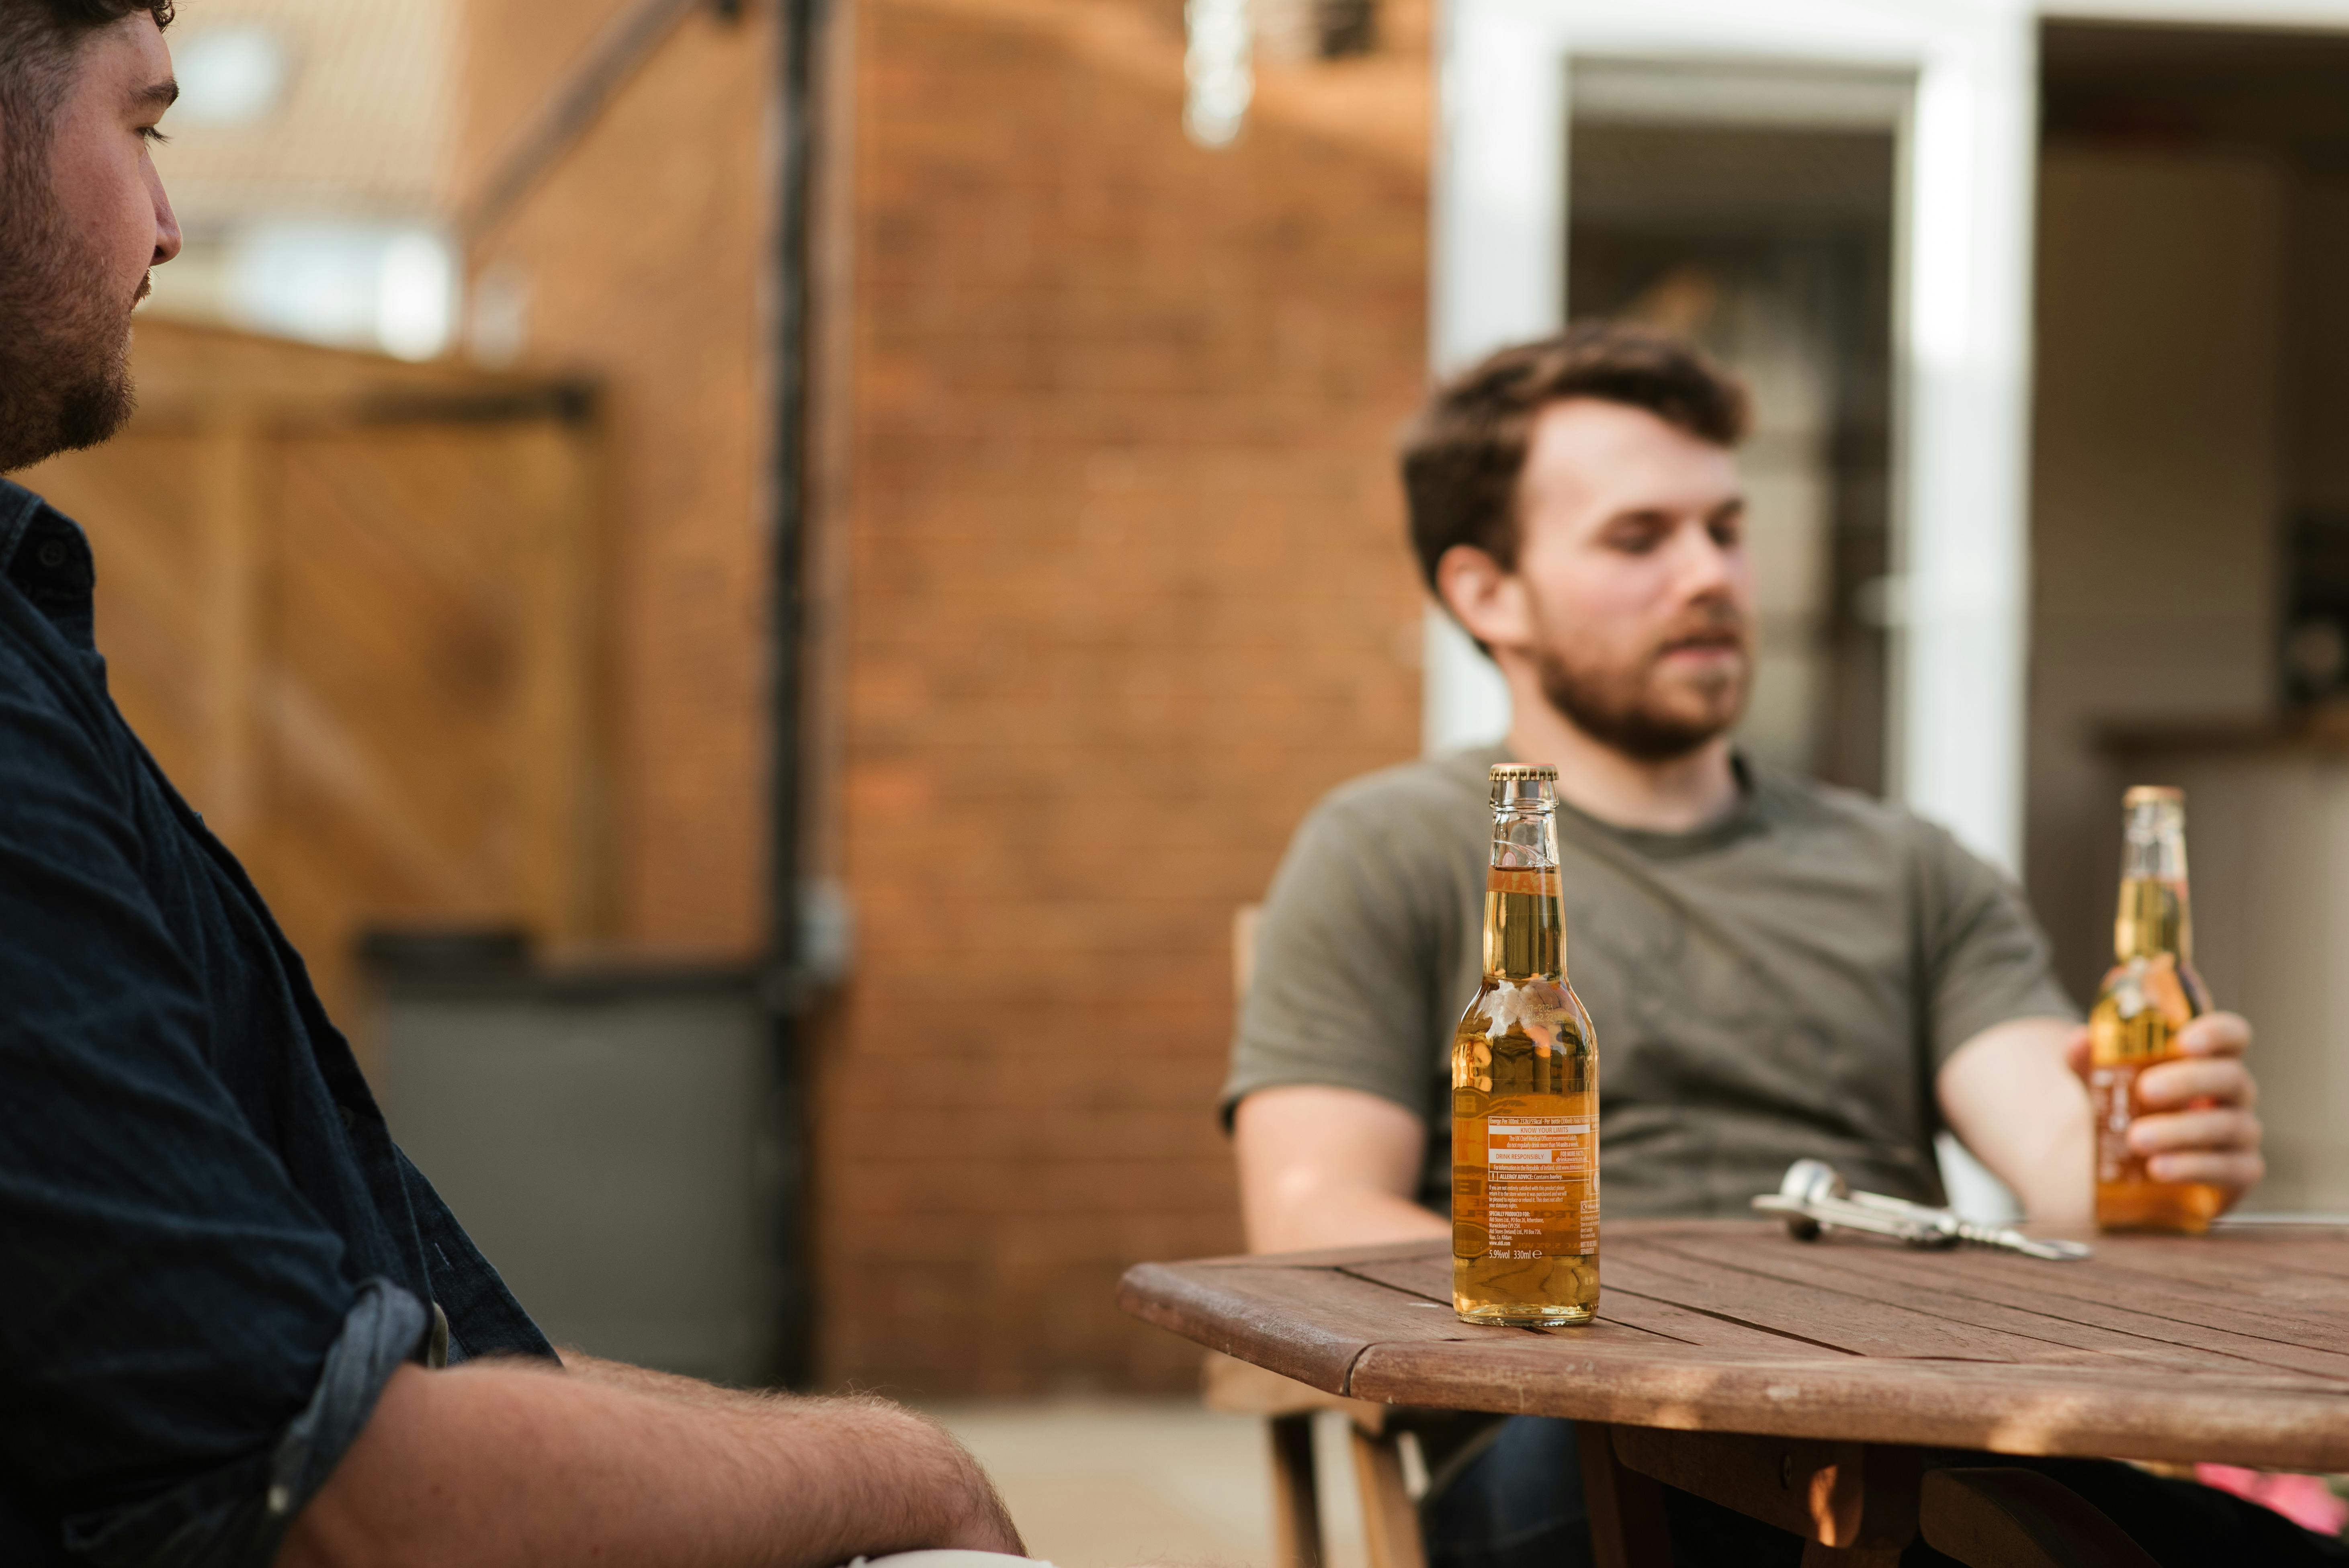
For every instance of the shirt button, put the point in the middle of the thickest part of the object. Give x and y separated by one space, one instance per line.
350 1118
52 554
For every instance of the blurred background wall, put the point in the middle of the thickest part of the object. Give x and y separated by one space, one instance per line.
1124 595
441 565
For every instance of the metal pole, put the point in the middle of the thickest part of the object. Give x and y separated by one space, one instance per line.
800 38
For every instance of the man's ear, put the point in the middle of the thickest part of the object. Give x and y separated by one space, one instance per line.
1486 598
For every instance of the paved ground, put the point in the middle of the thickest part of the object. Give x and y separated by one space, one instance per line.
1099 1483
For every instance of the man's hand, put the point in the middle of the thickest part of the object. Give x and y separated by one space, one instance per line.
2200 1124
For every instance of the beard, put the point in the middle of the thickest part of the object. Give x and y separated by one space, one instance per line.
65 345
1626 707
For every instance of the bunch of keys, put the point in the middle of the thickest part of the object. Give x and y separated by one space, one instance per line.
1813 1199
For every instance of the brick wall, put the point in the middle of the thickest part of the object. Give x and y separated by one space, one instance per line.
1108 588
1125 591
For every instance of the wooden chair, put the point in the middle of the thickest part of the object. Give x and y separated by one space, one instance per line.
1390 1520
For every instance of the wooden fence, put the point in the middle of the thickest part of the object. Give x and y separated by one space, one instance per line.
352 607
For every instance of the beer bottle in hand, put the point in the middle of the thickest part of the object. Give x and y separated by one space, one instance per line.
1525 1089
2150 993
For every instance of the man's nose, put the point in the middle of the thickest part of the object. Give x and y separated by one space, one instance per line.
1708 568
167 223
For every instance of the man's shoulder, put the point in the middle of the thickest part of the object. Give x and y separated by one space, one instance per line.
1799 802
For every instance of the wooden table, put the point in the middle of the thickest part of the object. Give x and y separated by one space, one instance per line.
1796 1381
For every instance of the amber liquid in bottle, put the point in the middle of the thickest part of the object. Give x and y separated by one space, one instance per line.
2150 993
1525 1095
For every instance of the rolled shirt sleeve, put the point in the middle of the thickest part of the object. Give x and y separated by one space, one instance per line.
238 1514
182 1358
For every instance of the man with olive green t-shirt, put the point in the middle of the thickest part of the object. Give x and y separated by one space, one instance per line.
1778 982
1774 968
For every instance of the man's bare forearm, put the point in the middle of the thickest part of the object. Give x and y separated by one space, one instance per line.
1322 1166
497 1464
1344 1217
2013 1100
668 1386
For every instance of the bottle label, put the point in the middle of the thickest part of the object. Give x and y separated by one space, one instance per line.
1541 1199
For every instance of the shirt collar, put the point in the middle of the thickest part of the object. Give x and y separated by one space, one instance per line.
1743 818
45 556
18 507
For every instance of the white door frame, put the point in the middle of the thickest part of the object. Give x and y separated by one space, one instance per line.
1962 336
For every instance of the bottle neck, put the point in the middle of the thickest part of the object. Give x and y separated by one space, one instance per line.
2156 915
1525 918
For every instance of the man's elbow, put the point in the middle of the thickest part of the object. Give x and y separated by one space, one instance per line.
399 1497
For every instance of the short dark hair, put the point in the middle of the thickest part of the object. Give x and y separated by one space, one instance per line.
37 40
1462 454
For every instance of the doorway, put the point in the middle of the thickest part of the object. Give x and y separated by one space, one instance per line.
1764 229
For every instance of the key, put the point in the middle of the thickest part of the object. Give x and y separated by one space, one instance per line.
1812 1197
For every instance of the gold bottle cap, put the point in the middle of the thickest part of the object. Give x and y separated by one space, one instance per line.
1523 784
2145 793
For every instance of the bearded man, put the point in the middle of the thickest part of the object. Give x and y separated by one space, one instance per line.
237 1327
1775 969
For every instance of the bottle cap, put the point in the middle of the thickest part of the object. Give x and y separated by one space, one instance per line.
2144 794
1523 783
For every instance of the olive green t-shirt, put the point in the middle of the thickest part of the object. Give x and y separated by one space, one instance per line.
1781 984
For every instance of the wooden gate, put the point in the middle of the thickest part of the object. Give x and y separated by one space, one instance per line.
350 604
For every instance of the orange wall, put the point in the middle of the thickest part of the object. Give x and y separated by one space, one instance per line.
1125 591
1108 586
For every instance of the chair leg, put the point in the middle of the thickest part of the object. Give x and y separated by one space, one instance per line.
1296 1502
2002 1517
1627 1509
1389 1522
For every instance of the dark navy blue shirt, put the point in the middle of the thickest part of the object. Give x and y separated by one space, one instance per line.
212 1255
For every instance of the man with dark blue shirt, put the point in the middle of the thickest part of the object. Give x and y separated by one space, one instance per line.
236 1326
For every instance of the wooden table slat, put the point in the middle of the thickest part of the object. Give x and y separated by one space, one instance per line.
2129 1272
1254 1314
1815 1311
2303 1249
1926 1272
1855 1268
2254 1279
1430 1278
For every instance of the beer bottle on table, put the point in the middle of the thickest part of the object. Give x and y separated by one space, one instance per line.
1525 1089
2150 992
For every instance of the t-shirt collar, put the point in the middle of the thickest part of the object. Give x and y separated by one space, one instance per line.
1742 820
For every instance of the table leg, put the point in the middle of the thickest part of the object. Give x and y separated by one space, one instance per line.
1627 1508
